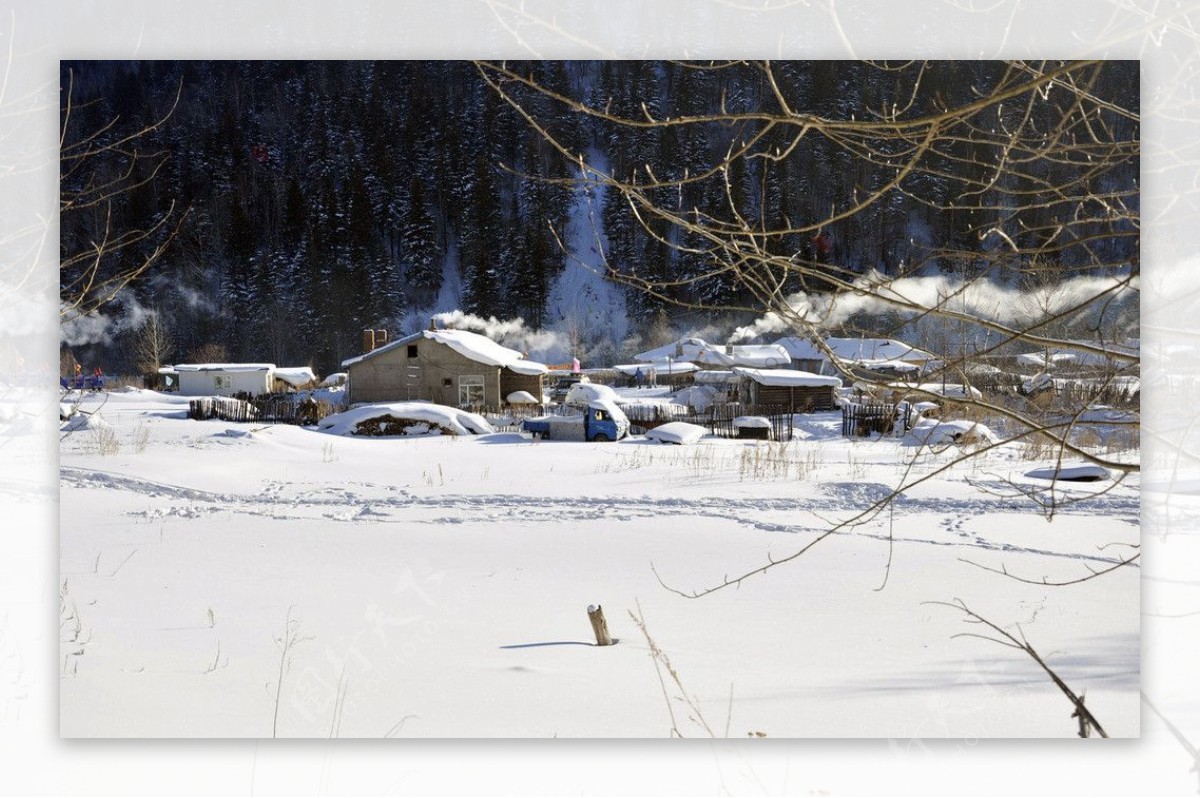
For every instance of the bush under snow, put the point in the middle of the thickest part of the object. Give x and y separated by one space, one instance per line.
946 433
405 418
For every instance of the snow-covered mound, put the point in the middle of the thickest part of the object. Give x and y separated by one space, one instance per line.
698 397
297 377
405 418
584 393
945 433
678 432
1078 472
521 398
79 422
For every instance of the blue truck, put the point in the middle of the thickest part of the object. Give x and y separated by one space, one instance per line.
602 421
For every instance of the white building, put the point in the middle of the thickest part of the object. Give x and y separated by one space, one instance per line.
225 379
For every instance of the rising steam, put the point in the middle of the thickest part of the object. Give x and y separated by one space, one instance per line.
981 299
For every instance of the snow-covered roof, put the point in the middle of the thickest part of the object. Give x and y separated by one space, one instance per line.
1080 357
789 378
1040 360
864 351
611 406
683 349
529 367
754 356
297 377
181 367
716 377
660 366
697 350
472 346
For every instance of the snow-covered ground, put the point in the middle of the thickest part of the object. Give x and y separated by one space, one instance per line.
438 586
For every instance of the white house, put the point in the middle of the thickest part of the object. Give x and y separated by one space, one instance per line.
225 379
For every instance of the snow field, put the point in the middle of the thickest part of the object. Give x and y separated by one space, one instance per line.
440 587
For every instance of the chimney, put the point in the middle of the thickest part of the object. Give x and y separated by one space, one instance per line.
381 338
432 324
729 349
368 341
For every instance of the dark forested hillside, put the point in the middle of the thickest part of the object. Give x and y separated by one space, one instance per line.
319 198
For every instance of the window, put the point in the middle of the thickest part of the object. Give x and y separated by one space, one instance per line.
470 390
412 350
222 382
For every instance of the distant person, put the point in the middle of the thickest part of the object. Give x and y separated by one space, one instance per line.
652 377
639 378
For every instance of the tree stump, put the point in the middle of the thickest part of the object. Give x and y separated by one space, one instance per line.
599 625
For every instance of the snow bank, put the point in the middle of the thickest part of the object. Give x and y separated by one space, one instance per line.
945 433
699 397
678 432
435 417
752 422
1079 472
335 379
80 421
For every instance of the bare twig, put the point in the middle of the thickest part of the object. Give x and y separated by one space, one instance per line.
1087 721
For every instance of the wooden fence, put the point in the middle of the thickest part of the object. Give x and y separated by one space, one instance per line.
720 420
863 420
263 410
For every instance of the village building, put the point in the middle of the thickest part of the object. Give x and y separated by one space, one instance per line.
229 379
713 356
225 379
877 355
455 368
797 391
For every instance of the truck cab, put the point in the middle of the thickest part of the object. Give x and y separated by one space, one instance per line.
601 421
605 421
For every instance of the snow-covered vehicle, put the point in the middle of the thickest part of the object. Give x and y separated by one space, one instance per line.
563 384
602 421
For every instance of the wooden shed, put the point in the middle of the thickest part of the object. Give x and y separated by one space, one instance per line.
455 368
797 391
